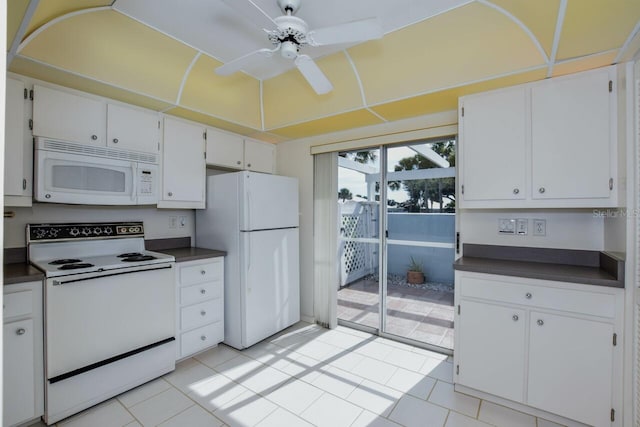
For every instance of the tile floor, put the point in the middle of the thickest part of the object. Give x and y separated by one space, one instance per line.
305 376
420 314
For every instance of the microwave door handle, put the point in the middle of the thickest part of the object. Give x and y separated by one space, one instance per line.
134 182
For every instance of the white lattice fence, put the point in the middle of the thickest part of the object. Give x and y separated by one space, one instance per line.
357 259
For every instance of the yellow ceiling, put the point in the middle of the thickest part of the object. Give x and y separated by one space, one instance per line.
416 70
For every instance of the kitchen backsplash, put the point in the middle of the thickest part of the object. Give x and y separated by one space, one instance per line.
159 223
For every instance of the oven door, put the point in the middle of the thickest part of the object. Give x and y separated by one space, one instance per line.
82 179
94 319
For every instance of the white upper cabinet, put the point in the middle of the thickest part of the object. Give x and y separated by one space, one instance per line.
549 144
224 149
233 151
258 156
18 148
183 165
132 129
571 129
68 117
494 131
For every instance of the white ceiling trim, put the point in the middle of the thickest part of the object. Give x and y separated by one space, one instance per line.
442 12
355 71
521 24
324 116
376 114
61 18
579 58
627 42
562 11
186 76
26 19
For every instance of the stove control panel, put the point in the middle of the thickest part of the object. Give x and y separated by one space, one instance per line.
92 231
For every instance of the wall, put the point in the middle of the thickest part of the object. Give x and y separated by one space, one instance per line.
294 159
156 221
566 228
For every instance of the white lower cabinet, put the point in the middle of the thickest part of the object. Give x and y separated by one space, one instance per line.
552 346
200 313
23 377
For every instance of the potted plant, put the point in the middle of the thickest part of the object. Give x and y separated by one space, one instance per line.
415 274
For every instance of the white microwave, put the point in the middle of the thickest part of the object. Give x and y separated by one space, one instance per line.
82 174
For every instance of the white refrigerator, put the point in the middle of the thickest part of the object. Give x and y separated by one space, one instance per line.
254 218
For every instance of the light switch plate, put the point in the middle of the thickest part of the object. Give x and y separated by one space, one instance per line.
522 226
173 222
506 226
539 227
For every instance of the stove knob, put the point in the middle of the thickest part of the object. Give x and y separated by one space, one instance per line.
74 232
86 231
53 232
108 230
97 231
40 233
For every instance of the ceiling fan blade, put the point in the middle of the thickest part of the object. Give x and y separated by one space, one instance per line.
244 61
253 12
349 32
316 78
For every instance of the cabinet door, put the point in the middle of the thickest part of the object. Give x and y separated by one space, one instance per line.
570 367
18 150
491 351
258 156
571 135
132 129
61 115
224 149
492 140
183 164
19 376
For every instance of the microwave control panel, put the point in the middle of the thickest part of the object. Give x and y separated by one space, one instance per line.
145 181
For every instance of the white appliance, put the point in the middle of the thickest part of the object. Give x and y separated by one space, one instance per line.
254 218
83 174
109 312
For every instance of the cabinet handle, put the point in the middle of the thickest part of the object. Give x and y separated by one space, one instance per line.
540 322
169 194
541 190
516 190
203 272
528 295
515 318
203 313
249 165
115 140
238 162
21 331
94 137
203 337
24 184
203 291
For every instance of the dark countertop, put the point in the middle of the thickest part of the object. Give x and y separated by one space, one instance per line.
590 267
192 254
20 273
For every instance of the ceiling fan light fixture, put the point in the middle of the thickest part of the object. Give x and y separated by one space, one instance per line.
289 50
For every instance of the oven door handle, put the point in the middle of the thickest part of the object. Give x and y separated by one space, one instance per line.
83 279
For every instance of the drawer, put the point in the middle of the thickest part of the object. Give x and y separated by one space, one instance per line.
18 304
200 273
538 295
199 293
206 336
201 314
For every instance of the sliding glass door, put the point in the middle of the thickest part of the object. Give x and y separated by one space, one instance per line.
396 241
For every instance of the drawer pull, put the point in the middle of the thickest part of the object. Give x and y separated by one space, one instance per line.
540 322
203 313
203 291
528 295
21 331
516 190
203 272
515 318
203 337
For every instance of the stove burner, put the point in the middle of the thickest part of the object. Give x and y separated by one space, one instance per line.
64 261
139 257
75 266
129 255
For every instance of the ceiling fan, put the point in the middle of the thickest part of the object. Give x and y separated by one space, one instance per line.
291 33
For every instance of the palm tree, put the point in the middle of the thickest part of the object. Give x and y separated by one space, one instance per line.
345 194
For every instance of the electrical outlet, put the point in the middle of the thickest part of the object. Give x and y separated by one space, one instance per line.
539 227
506 226
522 226
182 221
173 222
